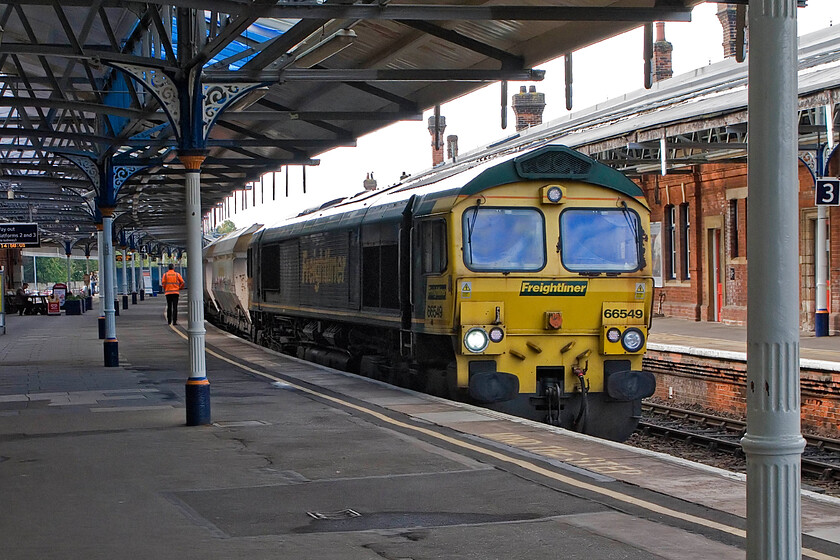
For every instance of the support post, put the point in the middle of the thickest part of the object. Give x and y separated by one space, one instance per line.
821 233
821 316
773 443
108 280
114 267
198 387
124 278
141 280
2 300
133 277
103 271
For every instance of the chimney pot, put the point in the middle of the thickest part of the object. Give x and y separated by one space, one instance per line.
369 183
660 30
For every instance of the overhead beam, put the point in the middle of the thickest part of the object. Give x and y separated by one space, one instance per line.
323 115
380 75
420 12
93 53
446 12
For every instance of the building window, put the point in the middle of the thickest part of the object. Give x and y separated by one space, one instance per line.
737 228
685 253
671 242
733 228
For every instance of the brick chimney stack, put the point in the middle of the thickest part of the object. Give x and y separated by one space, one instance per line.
727 17
662 66
437 153
528 107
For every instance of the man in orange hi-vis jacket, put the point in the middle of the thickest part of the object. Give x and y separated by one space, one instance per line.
172 283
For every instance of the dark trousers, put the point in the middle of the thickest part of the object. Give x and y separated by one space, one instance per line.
172 308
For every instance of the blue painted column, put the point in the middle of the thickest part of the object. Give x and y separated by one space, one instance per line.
114 249
124 284
140 279
773 443
132 285
68 251
103 267
111 345
198 387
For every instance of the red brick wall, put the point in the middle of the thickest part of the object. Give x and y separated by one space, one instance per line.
705 191
720 385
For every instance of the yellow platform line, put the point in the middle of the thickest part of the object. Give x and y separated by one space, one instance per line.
615 495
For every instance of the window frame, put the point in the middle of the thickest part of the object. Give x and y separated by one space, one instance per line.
669 216
430 225
465 242
639 245
685 248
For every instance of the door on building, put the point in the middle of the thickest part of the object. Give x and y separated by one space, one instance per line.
715 276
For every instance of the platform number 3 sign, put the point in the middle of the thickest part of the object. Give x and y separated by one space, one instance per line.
828 192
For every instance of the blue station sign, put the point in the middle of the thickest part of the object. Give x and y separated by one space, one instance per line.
828 192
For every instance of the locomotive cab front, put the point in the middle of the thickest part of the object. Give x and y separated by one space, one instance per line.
552 302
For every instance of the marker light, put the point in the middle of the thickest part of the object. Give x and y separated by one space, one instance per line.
497 334
613 335
476 340
632 340
554 194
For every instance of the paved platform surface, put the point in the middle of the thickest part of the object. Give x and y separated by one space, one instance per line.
305 462
669 331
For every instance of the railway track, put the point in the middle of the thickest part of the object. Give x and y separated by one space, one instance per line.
719 435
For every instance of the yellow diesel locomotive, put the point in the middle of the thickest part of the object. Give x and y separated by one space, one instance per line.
520 281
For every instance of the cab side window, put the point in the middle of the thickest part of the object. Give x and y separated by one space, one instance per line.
433 246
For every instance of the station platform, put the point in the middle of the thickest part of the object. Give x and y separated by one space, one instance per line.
670 333
311 463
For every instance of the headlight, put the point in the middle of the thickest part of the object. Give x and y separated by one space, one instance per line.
497 334
613 335
476 340
632 340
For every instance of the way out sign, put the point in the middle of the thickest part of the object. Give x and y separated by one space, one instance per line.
828 192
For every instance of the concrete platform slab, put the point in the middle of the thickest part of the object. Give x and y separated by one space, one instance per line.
113 478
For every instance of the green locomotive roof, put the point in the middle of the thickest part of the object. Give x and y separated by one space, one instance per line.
554 163
550 163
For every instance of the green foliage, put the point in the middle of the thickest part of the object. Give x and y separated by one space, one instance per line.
225 227
54 269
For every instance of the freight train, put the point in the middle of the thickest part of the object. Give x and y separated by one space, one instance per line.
519 281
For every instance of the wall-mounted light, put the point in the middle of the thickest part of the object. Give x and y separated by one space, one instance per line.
325 48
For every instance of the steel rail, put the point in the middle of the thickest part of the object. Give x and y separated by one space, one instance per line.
821 458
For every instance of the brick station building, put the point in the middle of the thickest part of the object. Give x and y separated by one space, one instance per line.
684 142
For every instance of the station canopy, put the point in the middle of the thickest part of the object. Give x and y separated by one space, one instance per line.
253 85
